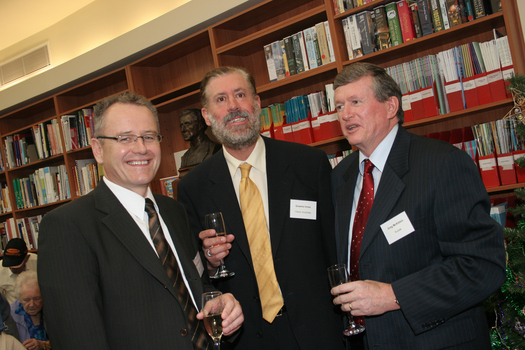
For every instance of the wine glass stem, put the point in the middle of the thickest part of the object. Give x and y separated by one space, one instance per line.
217 344
222 268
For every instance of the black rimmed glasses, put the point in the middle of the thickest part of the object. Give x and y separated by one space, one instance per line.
129 139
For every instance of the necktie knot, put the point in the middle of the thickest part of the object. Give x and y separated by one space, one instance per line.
245 170
150 208
369 166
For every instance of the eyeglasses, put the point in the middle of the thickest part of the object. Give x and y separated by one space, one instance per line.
132 139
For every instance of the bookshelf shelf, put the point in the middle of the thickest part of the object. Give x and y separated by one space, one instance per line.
171 77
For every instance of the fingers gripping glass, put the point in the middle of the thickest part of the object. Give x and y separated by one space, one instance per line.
128 139
216 222
337 274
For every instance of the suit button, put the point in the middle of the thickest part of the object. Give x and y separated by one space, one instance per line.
259 334
184 332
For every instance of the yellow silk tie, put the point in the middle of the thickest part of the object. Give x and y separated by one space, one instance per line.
260 248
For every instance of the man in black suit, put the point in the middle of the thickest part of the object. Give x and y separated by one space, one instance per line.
289 177
430 253
99 270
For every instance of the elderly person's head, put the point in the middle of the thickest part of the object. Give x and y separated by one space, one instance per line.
28 292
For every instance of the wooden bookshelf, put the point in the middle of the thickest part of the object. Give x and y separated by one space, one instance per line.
171 76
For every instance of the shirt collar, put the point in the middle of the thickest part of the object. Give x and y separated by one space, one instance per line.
132 202
380 154
257 158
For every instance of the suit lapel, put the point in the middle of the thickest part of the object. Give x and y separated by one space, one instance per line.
390 188
223 195
280 181
344 207
122 225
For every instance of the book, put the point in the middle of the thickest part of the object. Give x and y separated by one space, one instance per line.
405 21
366 29
444 13
167 184
356 37
299 61
437 20
278 60
394 26
290 55
348 37
310 48
270 63
323 43
479 8
304 53
285 59
382 33
329 41
415 19
316 46
425 18
454 13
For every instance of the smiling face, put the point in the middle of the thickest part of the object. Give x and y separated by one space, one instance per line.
364 120
232 111
131 166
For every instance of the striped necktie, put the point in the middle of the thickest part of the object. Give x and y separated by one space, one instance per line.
260 248
198 333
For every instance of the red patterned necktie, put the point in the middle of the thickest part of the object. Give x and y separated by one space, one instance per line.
198 333
366 199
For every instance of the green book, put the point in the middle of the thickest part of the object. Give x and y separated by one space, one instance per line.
396 37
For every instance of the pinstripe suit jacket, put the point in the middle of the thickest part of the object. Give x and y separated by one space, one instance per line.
443 270
102 284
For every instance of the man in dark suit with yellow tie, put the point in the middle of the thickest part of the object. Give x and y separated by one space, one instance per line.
276 202
118 267
428 253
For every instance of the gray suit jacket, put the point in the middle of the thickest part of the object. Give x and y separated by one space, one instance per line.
102 284
443 270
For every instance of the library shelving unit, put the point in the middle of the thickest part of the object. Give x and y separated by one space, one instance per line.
170 77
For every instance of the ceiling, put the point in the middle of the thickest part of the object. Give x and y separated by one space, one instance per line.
22 18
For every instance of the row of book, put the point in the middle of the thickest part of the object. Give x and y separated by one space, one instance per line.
498 146
300 52
46 185
402 21
25 228
336 158
87 174
39 142
462 77
5 202
168 184
303 119
78 128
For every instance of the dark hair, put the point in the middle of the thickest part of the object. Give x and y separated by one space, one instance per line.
125 98
383 85
220 72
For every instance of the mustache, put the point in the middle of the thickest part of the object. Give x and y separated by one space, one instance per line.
234 115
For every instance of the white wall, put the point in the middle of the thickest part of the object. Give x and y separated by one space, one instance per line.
75 47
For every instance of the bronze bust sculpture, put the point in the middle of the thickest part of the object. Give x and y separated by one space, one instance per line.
193 127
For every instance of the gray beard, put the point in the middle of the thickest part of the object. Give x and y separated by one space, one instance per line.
234 140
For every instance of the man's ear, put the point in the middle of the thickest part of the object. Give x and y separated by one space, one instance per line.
392 106
96 148
205 115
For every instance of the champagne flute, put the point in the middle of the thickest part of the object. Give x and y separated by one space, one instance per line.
216 222
337 274
212 306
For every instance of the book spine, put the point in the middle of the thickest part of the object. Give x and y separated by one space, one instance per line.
356 37
366 36
436 16
415 19
310 48
454 13
290 55
405 21
393 24
299 61
348 38
303 51
424 17
278 60
270 64
382 33
323 43
444 13
329 41
479 9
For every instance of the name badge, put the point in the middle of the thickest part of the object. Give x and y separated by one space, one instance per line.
397 227
198 264
303 209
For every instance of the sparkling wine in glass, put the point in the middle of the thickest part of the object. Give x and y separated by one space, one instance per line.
216 222
212 306
337 274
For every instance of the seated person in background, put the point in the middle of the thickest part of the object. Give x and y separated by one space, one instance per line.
8 341
16 259
27 312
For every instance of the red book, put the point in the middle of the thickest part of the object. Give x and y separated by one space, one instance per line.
406 22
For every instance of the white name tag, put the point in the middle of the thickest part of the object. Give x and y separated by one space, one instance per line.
198 264
303 209
397 227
